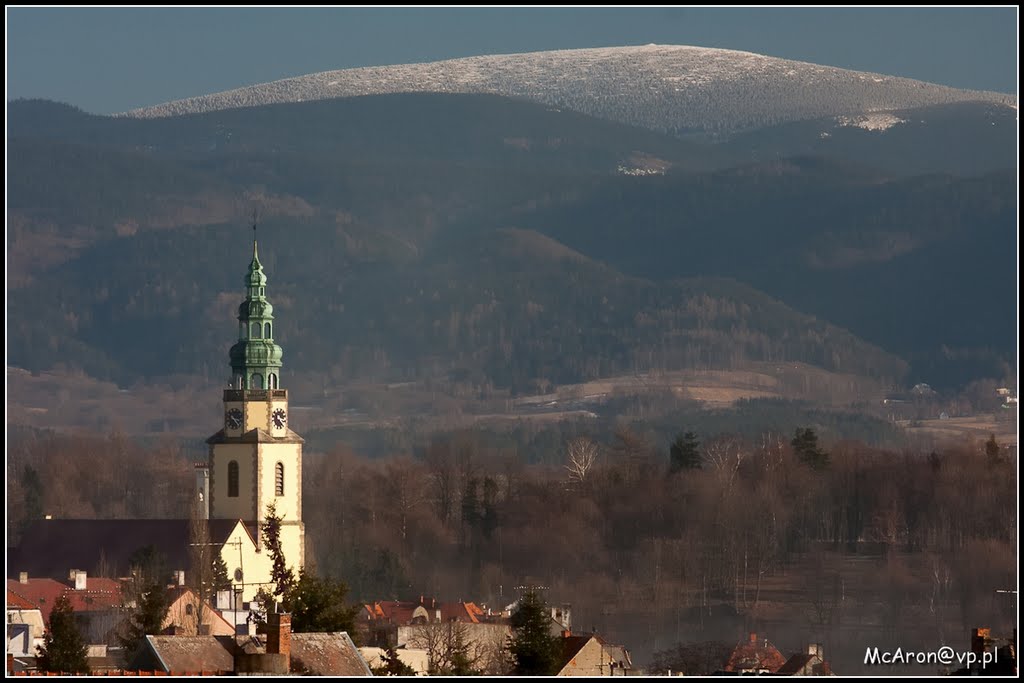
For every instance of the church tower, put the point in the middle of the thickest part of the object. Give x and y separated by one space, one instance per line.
256 459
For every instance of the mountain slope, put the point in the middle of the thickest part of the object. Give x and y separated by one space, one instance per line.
668 88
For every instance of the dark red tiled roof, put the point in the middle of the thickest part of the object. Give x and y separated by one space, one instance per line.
99 594
15 601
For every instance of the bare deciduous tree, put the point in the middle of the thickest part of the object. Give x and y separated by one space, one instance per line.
724 455
450 650
581 454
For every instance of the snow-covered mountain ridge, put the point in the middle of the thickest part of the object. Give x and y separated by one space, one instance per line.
669 88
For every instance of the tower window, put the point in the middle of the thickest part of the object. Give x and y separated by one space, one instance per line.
233 479
272 380
266 331
279 480
255 331
257 381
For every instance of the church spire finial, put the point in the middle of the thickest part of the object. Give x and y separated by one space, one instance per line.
255 251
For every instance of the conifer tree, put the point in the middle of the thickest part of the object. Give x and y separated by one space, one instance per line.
64 649
391 665
684 453
535 652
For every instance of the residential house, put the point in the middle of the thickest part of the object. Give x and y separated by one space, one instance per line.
428 624
591 655
416 659
809 663
756 656
25 626
187 615
97 602
280 652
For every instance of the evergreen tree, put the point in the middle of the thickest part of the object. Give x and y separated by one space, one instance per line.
992 449
281 574
318 605
220 573
489 520
684 453
535 652
391 665
33 486
148 618
805 445
64 649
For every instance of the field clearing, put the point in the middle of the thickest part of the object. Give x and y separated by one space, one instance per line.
977 426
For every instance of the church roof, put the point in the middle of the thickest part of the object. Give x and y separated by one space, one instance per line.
255 436
52 547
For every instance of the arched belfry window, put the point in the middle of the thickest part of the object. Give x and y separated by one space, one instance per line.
257 381
279 480
233 479
266 331
255 331
272 380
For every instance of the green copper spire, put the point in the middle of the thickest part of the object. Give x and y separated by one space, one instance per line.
256 359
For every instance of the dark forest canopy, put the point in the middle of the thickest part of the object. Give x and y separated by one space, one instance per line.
913 542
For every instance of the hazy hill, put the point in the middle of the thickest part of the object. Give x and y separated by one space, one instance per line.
672 88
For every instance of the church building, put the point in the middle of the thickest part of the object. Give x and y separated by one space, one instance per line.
254 461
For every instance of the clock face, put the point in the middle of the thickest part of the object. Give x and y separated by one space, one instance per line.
279 417
233 419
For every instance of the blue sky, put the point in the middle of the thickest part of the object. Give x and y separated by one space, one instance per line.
107 60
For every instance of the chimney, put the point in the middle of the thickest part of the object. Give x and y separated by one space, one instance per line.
566 633
753 638
279 634
978 638
81 580
23 577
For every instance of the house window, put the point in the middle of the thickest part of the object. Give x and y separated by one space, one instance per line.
233 479
279 480
189 610
257 381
